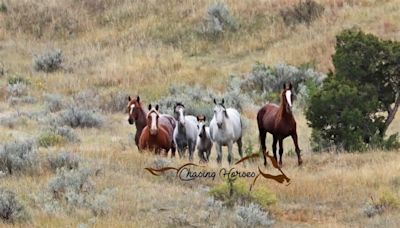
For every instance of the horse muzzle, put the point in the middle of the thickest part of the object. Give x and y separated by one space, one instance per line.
130 121
153 131
219 125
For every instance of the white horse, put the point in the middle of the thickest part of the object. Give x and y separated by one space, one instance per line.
226 129
185 132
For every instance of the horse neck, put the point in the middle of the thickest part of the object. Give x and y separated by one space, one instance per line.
282 112
141 122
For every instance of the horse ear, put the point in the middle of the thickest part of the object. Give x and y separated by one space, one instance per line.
204 118
149 107
215 102
138 99
290 86
129 98
284 86
198 118
223 101
157 107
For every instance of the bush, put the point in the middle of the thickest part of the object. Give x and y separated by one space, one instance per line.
217 20
304 12
115 102
53 102
199 100
78 117
18 157
9 121
18 92
84 99
48 62
349 109
66 133
74 188
265 83
17 79
3 7
49 139
17 89
11 210
65 160
237 192
252 216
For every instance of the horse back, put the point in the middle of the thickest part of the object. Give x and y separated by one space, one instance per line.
168 123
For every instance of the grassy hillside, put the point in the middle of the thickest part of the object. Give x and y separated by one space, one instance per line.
144 47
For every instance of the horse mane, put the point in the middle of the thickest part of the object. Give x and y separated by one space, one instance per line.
282 107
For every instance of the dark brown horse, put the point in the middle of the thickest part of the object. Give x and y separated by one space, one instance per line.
137 116
157 135
279 121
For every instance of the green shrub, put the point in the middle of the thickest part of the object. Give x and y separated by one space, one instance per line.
49 139
347 110
237 192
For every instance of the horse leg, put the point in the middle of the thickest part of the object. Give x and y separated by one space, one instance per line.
262 136
280 151
201 155
173 149
230 145
191 148
240 144
219 152
208 152
275 141
296 145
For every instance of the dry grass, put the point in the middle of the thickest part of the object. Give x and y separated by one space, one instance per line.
143 47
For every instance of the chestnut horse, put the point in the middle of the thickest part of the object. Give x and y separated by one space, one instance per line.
279 121
157 135
137 115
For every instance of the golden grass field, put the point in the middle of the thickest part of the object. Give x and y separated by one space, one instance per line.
143 47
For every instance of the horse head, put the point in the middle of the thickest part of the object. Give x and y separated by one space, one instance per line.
201 125
134 108
287 97
152 119
179 113
220 113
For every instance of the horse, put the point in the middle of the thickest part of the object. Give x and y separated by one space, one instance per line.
278 121
185 133
226 129
204 143
137 116
158 132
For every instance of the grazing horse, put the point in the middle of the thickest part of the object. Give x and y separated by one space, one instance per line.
158 132
226 129
279 121
137 115
204 143
185 133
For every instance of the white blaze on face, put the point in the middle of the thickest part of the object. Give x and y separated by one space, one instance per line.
132 107
153 127
181 116
288 95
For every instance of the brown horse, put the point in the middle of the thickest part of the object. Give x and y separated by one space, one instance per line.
137 115
279 121
158 133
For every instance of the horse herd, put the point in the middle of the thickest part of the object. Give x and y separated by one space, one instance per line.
161 132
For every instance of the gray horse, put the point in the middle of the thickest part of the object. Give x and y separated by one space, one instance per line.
204 143
226 129
185 132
